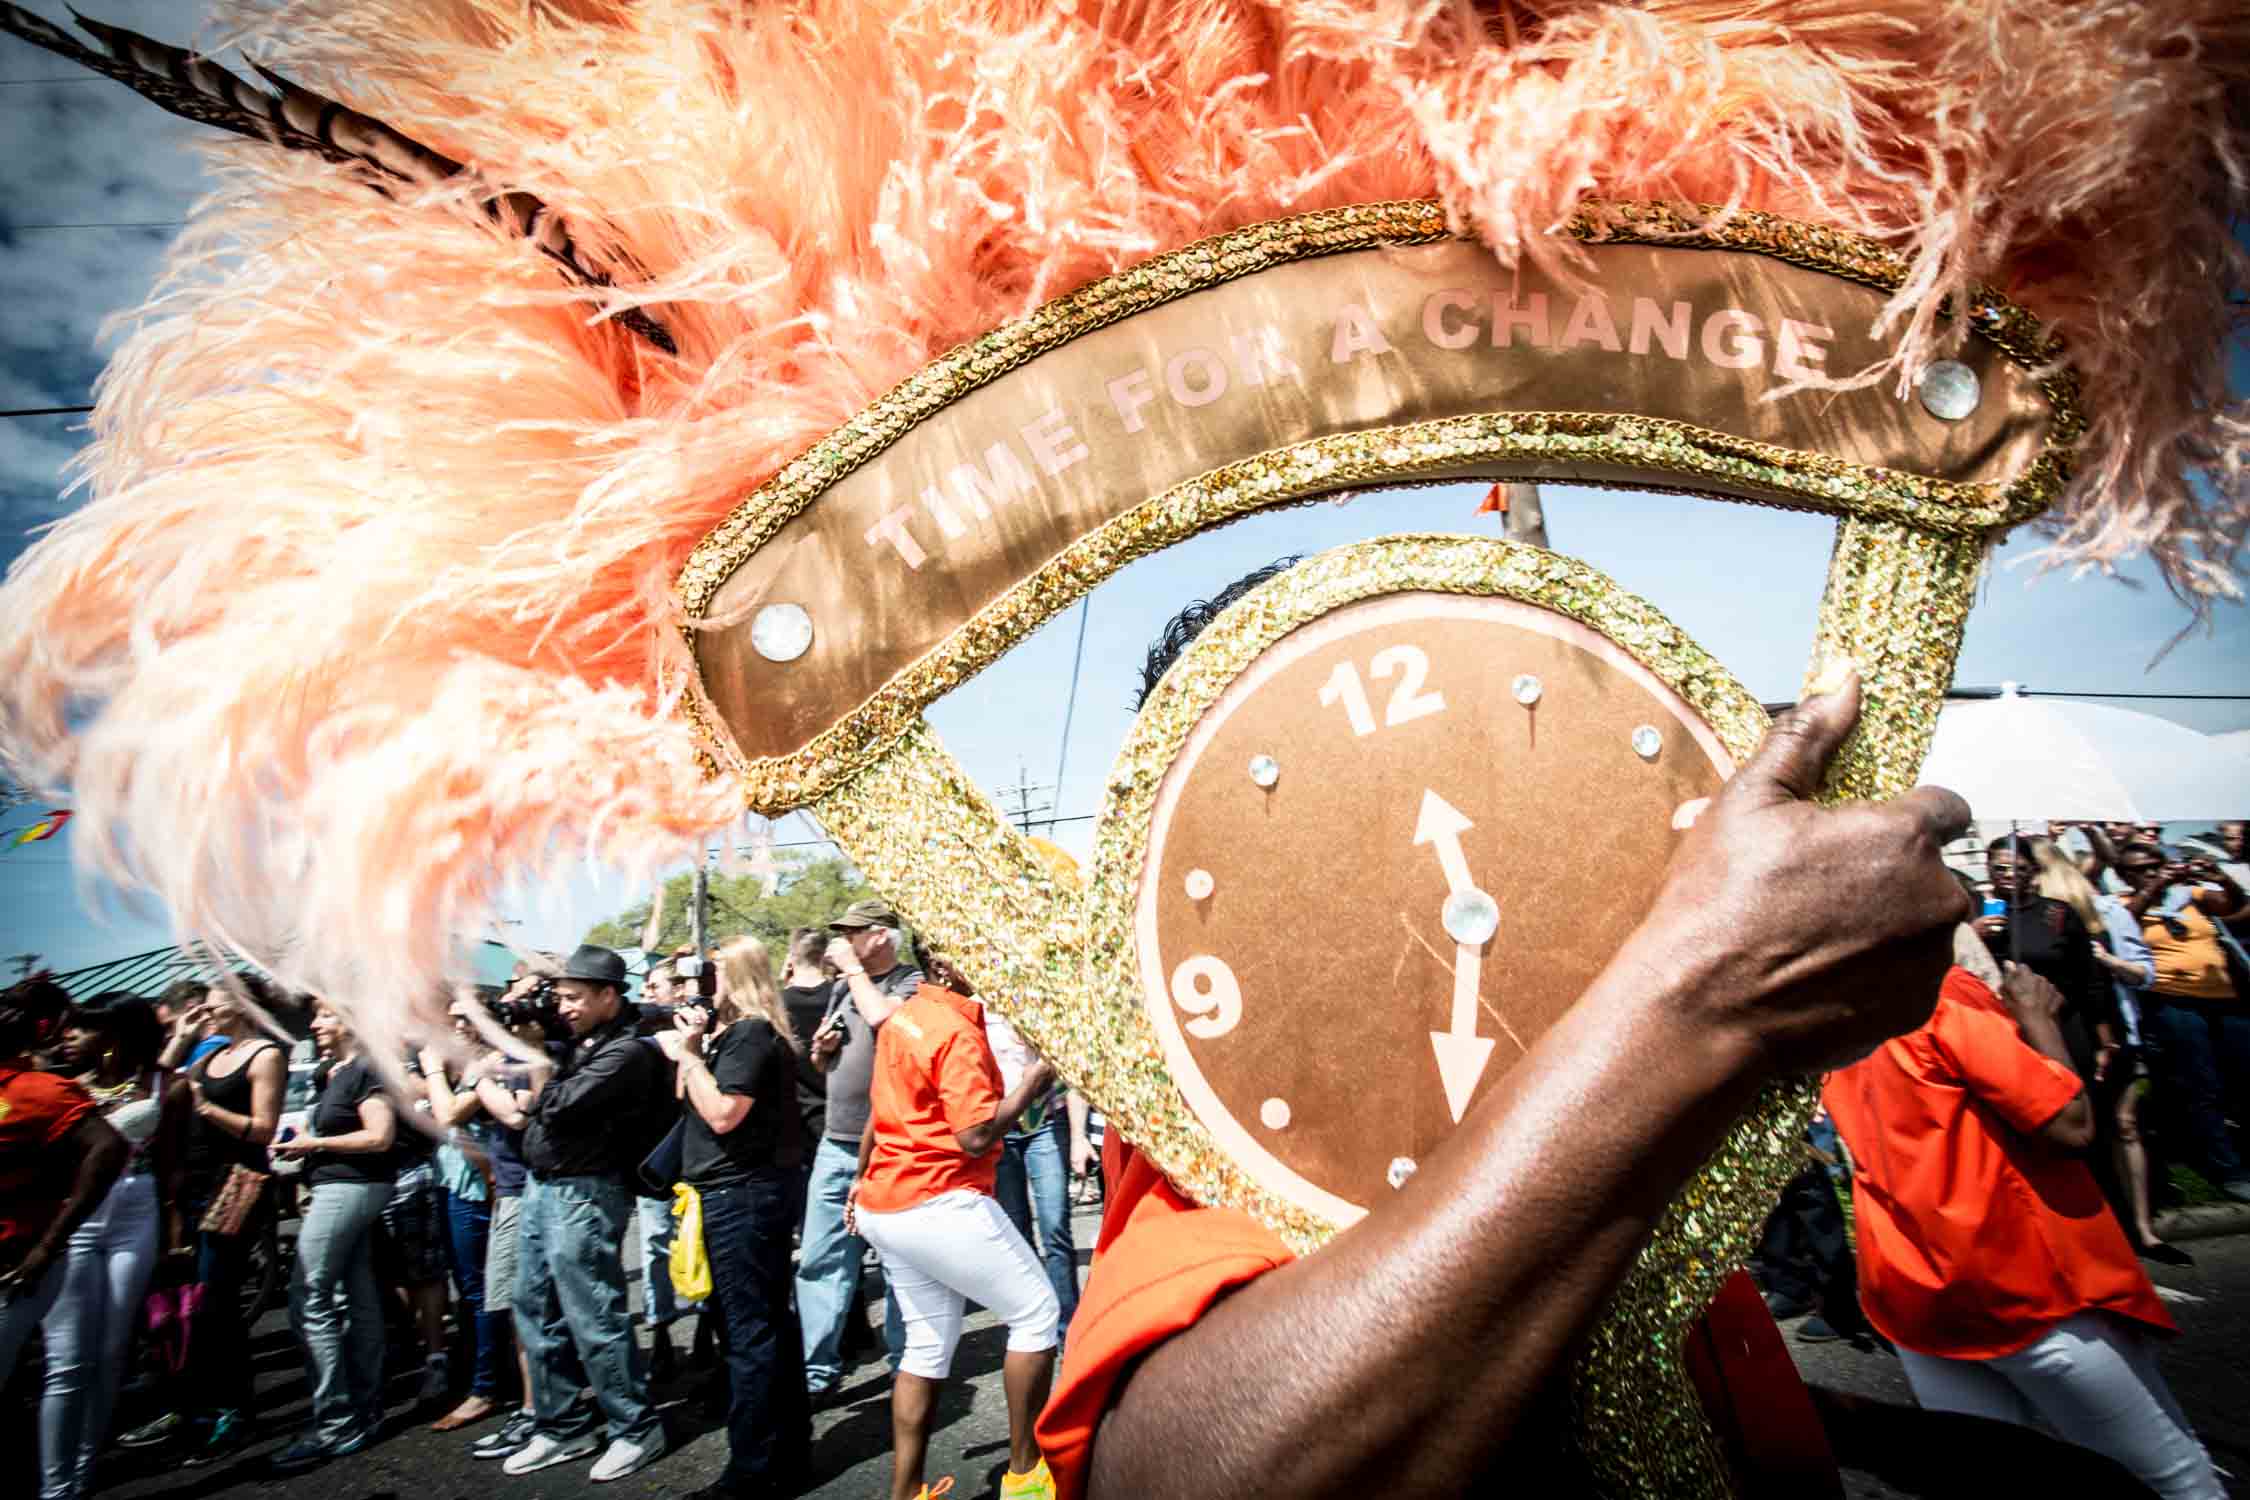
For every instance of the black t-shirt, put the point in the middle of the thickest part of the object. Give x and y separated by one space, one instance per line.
747 1058
806 1004
336 1112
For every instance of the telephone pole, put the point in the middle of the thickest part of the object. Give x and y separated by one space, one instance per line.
1024 809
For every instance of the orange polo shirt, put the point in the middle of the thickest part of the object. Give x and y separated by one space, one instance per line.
1162 1262
1975 1237
935 1077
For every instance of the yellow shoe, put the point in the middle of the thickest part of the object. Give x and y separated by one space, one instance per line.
1036 1485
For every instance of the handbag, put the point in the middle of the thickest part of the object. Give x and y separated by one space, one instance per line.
168 1318
690 1266
236 1200
662 1166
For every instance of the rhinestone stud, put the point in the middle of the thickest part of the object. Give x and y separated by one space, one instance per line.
781 632
1949 390
1264 770
1470 916
1527 689
1647 741
1401 1168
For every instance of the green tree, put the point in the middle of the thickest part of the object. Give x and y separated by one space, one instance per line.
811 893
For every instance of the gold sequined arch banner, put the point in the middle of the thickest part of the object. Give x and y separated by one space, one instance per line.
1702 354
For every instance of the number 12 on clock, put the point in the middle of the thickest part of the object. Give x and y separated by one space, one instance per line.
1408 702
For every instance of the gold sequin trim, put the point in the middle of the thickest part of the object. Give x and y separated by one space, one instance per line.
1699 460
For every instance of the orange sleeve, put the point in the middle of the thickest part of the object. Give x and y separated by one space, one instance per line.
2016 1081
1171 1263
967 1079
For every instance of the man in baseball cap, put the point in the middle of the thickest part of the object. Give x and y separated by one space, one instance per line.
871 984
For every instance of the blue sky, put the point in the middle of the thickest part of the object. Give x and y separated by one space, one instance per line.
1744 581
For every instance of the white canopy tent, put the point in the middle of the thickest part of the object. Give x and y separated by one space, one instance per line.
2025 760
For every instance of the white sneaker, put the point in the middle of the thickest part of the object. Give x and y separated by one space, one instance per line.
625 1457
544 1452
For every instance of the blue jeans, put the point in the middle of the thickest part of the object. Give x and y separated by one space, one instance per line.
2205 1054
1033 1182
570 1299
828 1262
338 1309
659 1308
468 1223
769 1418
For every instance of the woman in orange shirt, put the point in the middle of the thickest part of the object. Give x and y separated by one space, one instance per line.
1986 1251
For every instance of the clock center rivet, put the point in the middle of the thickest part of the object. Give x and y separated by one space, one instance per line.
1647 741
1470 916
1264 770
1199 884
1401 1168
1274 1114
1527 689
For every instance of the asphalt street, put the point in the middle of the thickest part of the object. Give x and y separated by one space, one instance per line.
1887 1447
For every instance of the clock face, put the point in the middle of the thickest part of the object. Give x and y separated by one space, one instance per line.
1390 854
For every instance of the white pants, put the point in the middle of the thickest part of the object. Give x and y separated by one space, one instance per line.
2091 1380
942 1254
105 1275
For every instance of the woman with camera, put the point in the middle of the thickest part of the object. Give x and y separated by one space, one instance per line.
2196 1013
740 1149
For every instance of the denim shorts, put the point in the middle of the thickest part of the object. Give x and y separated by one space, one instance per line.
410 1249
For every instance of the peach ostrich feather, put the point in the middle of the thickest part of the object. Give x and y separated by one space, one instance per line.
367 611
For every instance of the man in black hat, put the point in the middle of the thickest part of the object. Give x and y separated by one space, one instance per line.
590 1120
871 984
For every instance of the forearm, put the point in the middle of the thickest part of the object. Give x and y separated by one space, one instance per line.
1074 1107
2136 976
1442 1315
360 1142
241 1126
500 1102
2044 1035
98 1166
866 1150
718 1109
873 1005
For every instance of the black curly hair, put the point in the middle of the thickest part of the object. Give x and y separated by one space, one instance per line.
1191 622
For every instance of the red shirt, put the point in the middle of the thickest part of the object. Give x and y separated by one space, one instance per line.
935 1077
1162 1262
38 1112
1975 1237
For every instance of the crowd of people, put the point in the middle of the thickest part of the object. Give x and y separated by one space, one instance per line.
2013 1055
495 1172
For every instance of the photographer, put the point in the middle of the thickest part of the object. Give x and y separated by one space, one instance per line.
2195 1014
585 1140
502 1087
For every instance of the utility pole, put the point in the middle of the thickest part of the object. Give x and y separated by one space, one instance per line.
699 902
1024 809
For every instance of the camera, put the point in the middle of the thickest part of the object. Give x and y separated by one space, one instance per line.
534 1004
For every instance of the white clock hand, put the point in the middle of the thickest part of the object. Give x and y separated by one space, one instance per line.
1461 1054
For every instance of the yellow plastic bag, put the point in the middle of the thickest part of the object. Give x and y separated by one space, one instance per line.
691 1268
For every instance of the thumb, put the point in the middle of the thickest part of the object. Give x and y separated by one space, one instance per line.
1797 749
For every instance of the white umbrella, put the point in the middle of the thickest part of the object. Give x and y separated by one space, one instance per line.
2025 760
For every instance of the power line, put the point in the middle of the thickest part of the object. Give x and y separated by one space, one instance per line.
110 224
44 411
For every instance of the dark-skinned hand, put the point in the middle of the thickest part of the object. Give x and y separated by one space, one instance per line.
2027 996
1811 934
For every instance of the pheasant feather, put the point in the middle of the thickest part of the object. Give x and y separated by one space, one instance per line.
298 119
